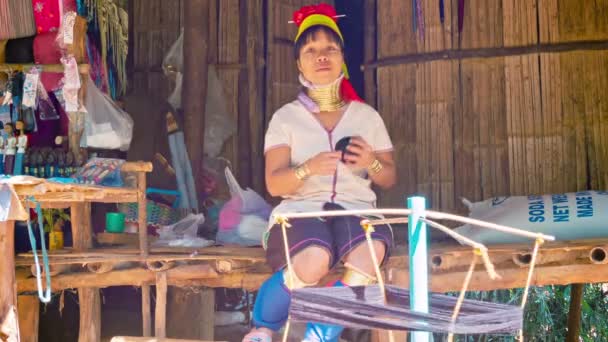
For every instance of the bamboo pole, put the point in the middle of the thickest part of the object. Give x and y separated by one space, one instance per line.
416 58
194 91
82 68
142 220
145 311
160 324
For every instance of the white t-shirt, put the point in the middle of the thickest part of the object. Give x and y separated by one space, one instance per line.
295 127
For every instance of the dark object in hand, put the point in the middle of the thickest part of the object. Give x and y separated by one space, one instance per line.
341 145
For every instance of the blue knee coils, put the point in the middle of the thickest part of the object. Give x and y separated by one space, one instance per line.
271 306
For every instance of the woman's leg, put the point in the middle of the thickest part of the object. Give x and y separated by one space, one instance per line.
311 256
353 250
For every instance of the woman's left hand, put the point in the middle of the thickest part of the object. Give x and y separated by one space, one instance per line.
360 153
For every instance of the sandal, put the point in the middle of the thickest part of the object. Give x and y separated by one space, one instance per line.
257 336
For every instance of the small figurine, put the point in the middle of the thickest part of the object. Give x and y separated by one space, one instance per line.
50 165
69 164
60 163
21 147
10 149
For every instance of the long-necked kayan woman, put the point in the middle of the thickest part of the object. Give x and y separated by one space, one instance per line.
304 167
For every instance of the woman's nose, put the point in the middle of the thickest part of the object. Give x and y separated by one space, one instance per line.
322 57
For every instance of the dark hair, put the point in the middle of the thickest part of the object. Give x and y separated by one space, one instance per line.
310 33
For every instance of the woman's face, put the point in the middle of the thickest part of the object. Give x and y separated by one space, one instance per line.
320 60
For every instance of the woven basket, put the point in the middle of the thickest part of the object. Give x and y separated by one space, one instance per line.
159 214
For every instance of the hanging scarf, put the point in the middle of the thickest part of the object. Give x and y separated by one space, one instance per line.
16 19
46 15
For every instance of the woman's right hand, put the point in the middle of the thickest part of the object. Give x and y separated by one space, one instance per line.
324 163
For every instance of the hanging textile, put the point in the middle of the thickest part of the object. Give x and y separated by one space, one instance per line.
20 50
108 31
364 308
3 76
16 19
46 51
73 36
46 15
441 12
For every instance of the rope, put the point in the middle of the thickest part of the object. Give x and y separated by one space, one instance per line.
537 244
465 286
480 248
284 224
46 296
369 229
428 214
387 221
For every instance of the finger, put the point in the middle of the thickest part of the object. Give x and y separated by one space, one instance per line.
361 144
355 149
352 158
358 140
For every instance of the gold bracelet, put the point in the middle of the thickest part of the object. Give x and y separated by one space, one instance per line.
375 166
302 172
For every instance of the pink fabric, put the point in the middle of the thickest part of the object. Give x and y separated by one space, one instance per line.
46 15
46 51
69 5
230 215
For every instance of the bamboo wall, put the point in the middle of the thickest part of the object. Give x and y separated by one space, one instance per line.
236 47
505 123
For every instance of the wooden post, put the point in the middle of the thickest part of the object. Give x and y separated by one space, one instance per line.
191 314
574 315
145 311
369 75
419 281
29 316
142 226
9 327
194 91
245 148
160 325
88 297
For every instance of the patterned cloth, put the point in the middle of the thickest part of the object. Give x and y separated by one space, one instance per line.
46 15
46 51
16 19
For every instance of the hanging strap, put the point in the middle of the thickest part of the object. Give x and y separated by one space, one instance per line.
46 296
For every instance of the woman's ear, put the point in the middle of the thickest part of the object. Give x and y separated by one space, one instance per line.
299 65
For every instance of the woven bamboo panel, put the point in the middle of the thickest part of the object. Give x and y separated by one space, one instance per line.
156 25
282 81
395 30
573 20
482 26
434 140
397 106
228 50
480 132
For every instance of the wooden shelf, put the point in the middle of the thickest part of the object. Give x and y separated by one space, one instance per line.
82 68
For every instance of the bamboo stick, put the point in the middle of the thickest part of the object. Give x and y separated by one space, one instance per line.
160 324
427 213
145 311
82 68
416 58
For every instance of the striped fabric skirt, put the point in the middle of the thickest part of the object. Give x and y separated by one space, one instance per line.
16 19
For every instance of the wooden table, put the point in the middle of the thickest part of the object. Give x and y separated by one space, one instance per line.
78 198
